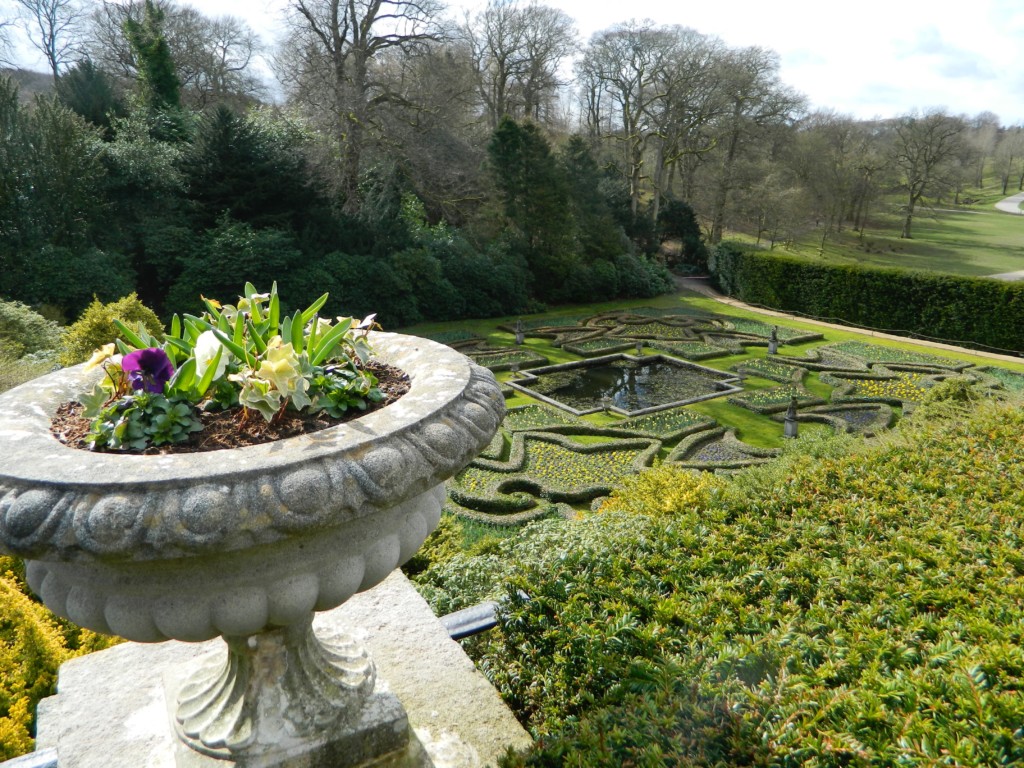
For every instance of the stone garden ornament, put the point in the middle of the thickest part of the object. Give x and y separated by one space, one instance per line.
245 544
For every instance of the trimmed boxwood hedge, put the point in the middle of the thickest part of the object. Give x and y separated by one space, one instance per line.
979 311
854 610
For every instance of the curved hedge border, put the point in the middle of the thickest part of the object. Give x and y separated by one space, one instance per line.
979 311
512 520
769 368
509 494
496 448
832 415
690 350
775 399
691 446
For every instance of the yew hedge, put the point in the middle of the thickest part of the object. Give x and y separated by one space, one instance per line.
861 609
980 311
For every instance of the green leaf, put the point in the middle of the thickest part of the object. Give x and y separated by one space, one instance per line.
184 377
256 338
179 346
275 309
176 326
93 401
207 379
130 336
314 327
329 341
212 309
238 351
249 290
297 326
198 322
313 308
239 337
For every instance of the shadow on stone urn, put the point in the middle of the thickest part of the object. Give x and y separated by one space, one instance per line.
246 544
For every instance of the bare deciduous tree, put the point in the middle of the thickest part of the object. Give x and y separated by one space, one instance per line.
757 101
330 65
922 148
1009 156
6 46
516 52
625 68
212 56
54 27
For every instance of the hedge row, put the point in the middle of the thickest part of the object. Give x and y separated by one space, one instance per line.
977 311
721 449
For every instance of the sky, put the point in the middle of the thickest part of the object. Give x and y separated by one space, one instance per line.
871 58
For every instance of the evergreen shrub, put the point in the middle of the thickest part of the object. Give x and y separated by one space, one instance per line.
845 609
23 330
972 310
96 327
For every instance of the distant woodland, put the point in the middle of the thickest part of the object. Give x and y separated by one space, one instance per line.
423 166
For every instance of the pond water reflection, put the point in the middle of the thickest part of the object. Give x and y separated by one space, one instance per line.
626 384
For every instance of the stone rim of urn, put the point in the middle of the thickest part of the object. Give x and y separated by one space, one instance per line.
246 543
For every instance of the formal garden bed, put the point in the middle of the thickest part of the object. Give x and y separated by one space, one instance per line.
874 353
1011 380
775 399
845 386
718 449
505 359
894 388
689 350
549 466
599 346
866 419
771 368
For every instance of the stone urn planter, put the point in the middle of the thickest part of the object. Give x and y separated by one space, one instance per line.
246 544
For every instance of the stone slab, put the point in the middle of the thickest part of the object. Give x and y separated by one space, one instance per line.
111 707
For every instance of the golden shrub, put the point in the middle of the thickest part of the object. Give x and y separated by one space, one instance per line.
665 491
96 327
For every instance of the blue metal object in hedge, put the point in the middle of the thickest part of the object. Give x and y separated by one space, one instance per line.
470 621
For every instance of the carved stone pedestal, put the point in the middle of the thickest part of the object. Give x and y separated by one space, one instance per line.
284 697
430 707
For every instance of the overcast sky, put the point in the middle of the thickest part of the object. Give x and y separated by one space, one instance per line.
870 58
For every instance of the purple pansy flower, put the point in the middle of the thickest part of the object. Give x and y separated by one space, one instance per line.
148 369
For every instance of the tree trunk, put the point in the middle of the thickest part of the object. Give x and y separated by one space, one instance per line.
905 232
722 197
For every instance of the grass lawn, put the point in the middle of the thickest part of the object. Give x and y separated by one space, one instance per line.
976 241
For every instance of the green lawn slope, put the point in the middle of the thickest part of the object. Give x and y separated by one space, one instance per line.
966 241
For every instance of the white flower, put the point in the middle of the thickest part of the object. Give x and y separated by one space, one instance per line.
205 350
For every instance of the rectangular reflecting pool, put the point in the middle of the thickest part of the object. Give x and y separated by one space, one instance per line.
627 384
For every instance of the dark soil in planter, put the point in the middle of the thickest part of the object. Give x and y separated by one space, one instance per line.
232 428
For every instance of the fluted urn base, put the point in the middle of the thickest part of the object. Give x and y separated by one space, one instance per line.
282 694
